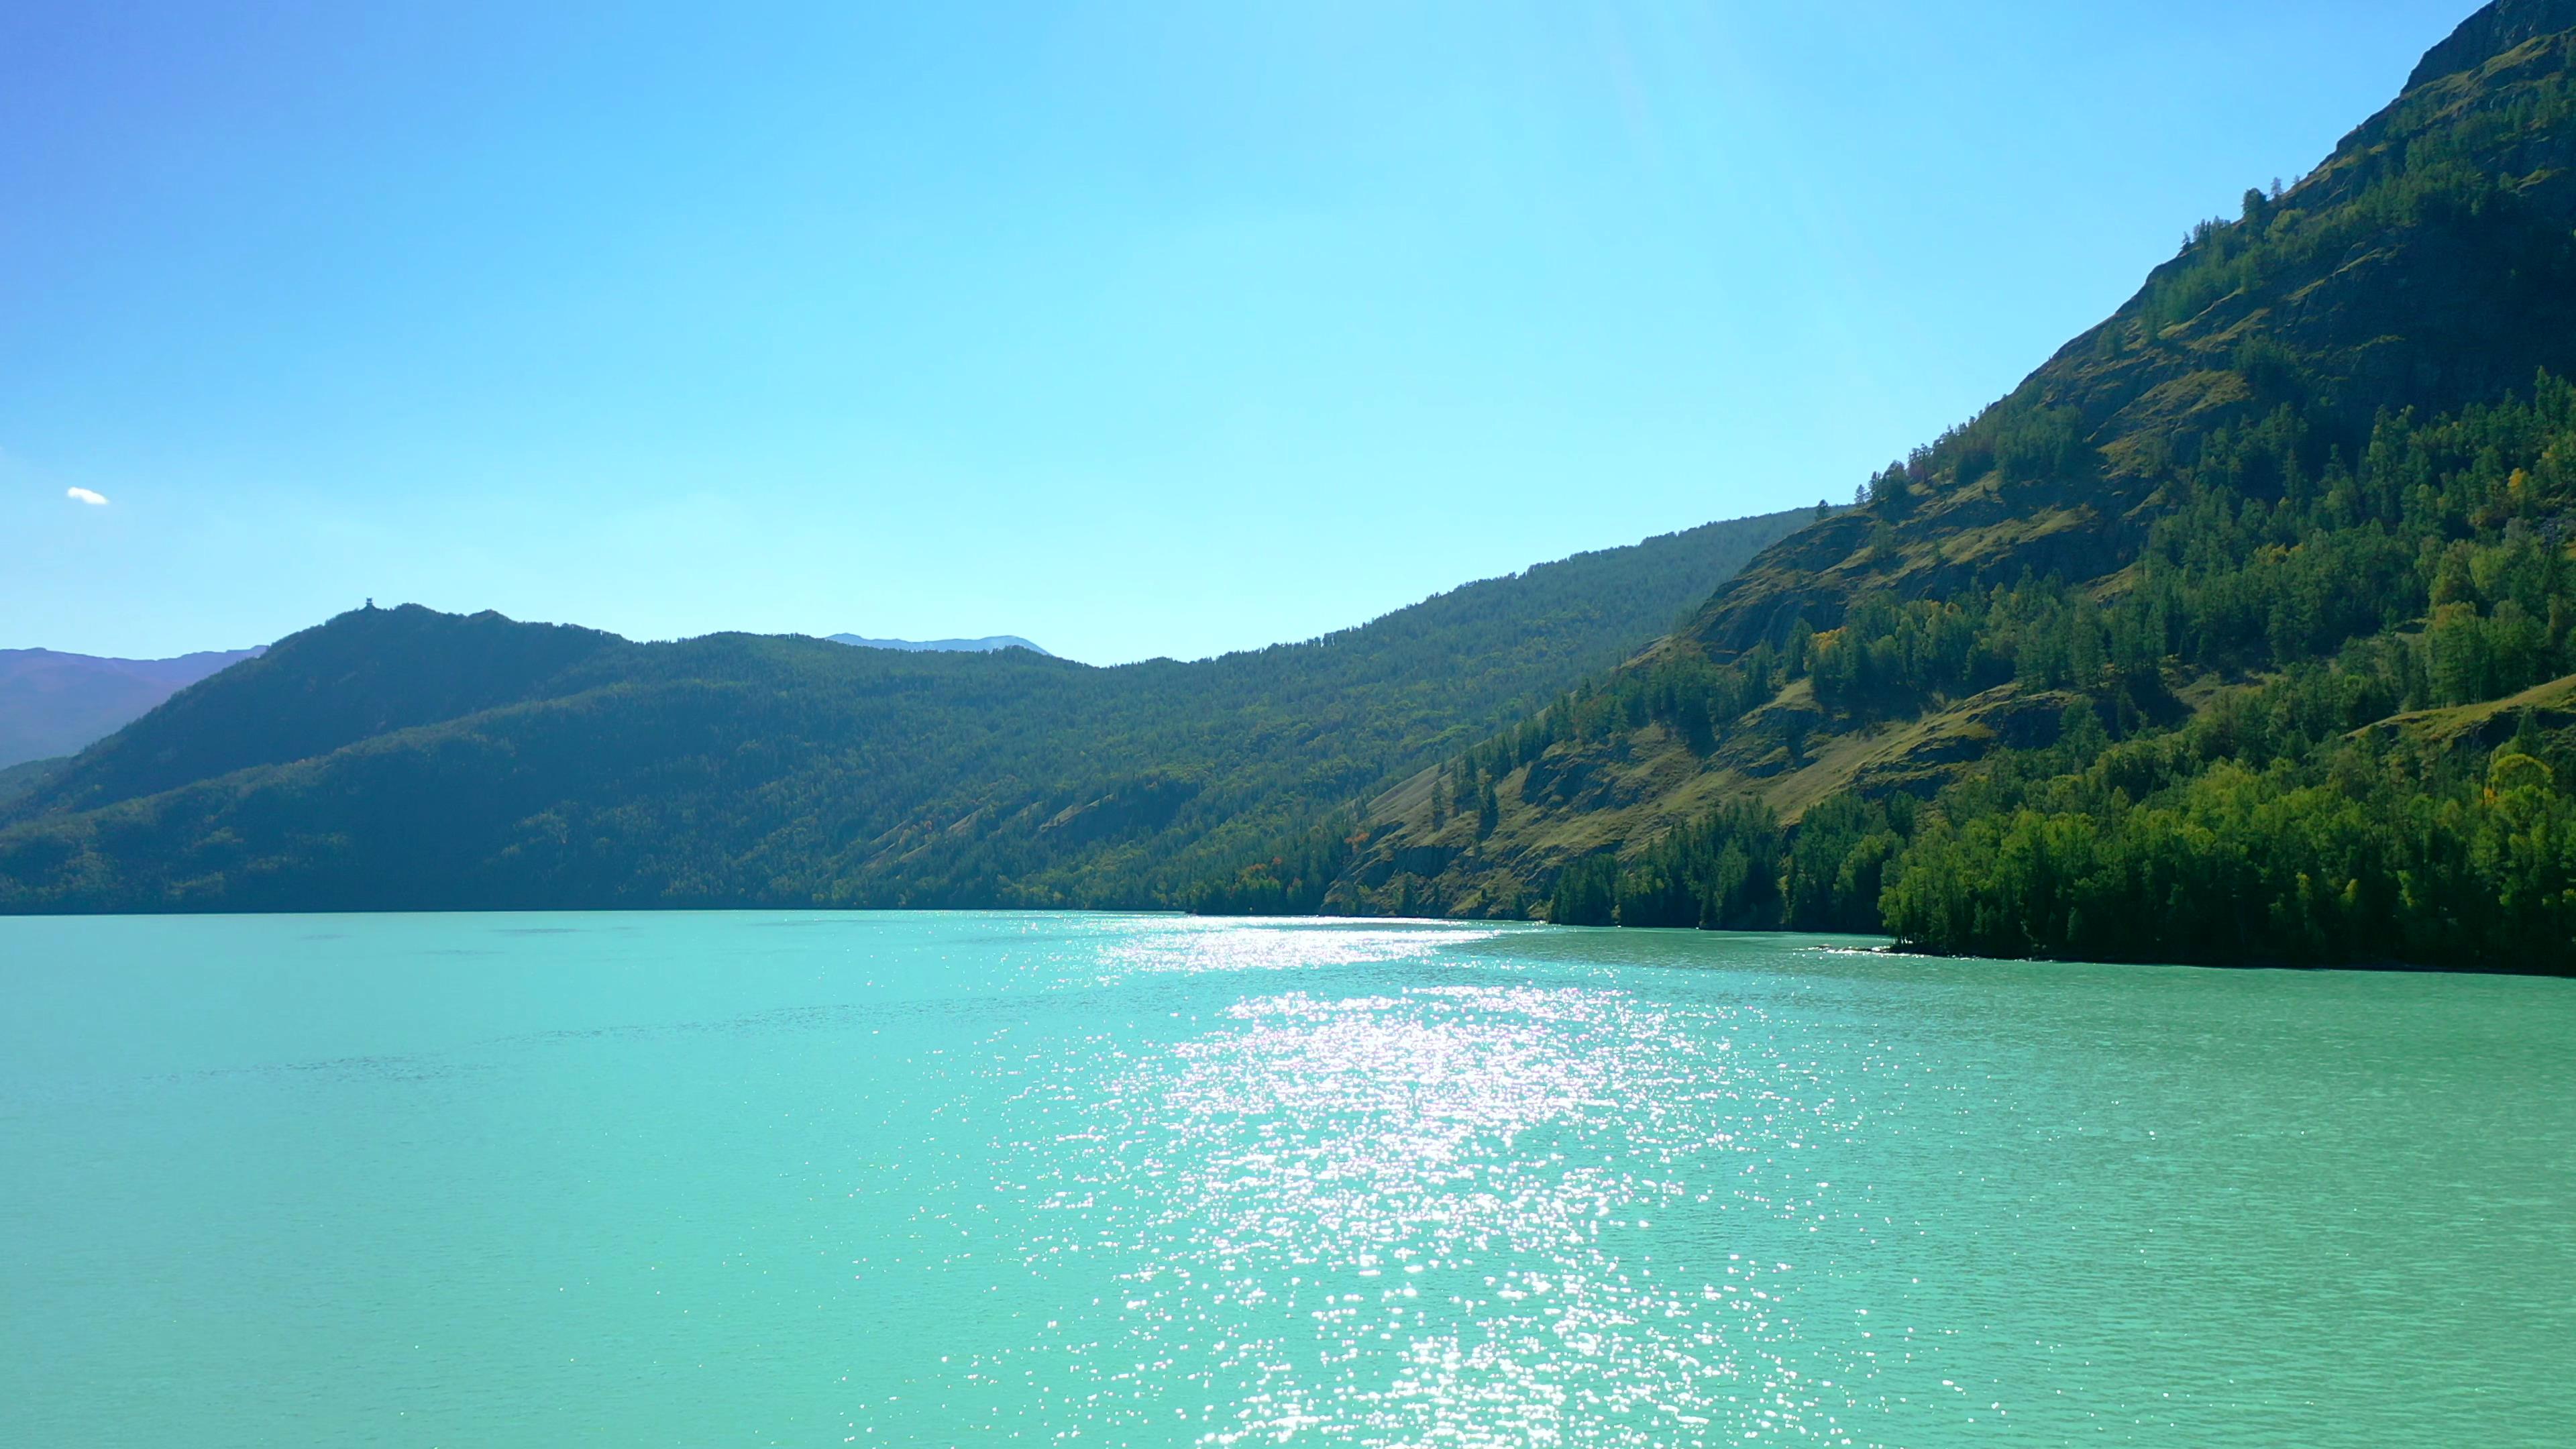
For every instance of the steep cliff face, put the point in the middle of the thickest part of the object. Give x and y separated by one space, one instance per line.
2427 264
2426 267
2493 31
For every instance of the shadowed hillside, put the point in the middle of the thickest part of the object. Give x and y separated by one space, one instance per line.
401 758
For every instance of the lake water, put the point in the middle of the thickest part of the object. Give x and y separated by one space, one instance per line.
748 1179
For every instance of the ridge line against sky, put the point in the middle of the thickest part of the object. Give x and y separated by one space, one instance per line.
1143 331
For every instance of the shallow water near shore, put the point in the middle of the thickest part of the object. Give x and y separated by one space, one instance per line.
709 1179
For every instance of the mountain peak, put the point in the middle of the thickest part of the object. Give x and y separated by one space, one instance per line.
2490 33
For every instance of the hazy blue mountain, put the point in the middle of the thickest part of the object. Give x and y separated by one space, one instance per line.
56 704
941 646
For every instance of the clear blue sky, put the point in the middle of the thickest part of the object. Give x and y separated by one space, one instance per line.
1137 330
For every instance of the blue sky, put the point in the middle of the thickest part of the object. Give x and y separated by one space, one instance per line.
1134 329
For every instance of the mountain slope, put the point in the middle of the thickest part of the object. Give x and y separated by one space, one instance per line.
317 691
403 758
52 704
2098 672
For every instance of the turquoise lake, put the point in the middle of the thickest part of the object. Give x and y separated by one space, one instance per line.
754 1179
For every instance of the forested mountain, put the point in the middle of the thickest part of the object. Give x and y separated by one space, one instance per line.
2239 631
52 703
401 758
2243 630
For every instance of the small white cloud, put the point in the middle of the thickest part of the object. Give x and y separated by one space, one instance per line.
83 495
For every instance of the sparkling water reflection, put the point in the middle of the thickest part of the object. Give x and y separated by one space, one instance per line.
1146 1181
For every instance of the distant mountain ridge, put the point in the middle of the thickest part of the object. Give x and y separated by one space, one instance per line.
984 645
408 759
53 703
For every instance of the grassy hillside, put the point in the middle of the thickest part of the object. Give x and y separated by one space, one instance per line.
2229 635
402 758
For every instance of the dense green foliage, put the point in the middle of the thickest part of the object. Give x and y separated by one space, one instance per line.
2202 645
1741 869
402 757
2276 552
2437 573
2241 836
2271 824
19 780
2348 853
